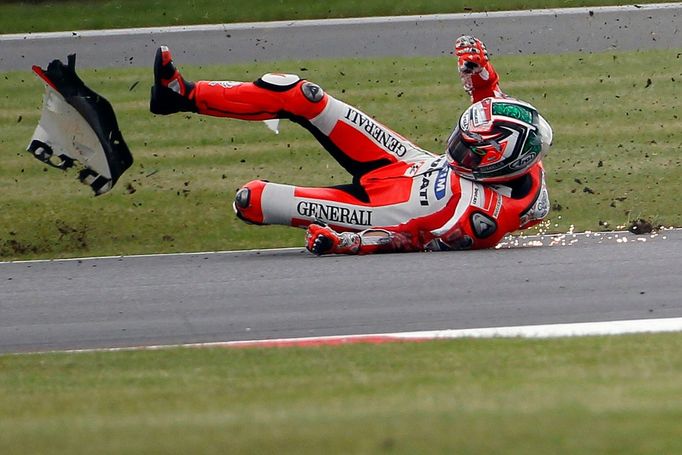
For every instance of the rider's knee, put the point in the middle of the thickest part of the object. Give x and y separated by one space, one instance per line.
247 203
302 98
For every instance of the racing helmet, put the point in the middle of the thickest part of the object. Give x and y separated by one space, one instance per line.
497 140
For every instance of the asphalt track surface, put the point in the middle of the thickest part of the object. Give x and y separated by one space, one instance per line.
593 29
208 297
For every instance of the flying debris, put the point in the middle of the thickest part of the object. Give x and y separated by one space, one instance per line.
78 125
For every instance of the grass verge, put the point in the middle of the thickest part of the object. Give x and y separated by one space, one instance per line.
616 156
55 15
575 395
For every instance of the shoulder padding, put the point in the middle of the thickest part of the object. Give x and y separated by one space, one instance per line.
277 82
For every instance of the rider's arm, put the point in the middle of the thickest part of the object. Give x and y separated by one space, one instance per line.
477 74
322 239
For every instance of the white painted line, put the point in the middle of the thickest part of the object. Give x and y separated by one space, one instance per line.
153 255
333 22
526 331
556 330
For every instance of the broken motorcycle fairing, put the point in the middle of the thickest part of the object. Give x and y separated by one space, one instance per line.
77 124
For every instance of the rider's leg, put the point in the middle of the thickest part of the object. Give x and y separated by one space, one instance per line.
261 202
378 202
358 142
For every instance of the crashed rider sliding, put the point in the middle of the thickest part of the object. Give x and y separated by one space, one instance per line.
488 183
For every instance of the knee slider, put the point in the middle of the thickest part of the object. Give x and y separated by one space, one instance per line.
247 202
277 82
284 82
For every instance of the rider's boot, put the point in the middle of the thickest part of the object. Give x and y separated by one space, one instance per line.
171 92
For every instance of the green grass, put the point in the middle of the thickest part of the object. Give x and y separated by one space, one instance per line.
587 395
616 156
40 16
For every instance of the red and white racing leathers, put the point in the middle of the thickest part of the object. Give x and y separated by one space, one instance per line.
409 197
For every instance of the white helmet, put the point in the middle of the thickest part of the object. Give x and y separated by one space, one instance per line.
497 140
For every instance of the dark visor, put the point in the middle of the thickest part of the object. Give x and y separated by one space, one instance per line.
461 153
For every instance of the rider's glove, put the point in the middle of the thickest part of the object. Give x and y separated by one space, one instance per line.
321 239
476 72
471 53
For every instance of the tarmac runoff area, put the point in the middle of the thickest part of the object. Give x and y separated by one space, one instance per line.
552 31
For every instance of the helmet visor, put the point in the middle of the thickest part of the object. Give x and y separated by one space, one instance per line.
463 154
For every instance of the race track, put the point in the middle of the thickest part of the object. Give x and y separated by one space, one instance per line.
131 301
593 29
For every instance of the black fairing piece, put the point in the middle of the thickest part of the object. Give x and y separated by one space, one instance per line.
99 115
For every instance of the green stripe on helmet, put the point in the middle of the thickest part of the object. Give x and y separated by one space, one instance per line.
515 111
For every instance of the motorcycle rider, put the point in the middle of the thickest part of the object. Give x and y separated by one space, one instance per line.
488 183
